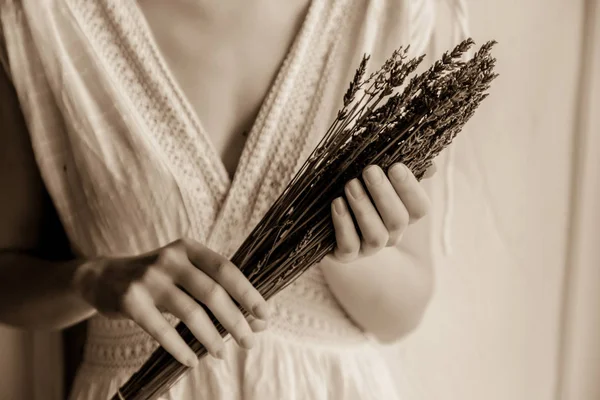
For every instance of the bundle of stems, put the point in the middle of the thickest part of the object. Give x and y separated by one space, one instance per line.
385 119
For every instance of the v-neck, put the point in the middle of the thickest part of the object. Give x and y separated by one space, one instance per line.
125 50
216 165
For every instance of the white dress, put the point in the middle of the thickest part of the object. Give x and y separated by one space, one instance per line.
130 169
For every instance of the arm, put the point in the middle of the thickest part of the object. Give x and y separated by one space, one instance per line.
34 292
38 294
397 282
383 277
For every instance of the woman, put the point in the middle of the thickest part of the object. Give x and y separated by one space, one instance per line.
159 133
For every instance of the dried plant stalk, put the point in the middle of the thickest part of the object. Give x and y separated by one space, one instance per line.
378 124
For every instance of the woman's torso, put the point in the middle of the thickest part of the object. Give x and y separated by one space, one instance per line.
134 156
225 56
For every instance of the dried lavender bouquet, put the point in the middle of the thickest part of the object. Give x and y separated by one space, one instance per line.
378 124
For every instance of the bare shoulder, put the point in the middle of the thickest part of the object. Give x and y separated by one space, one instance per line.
26 212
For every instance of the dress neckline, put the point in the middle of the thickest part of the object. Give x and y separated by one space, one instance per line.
122 44
216 166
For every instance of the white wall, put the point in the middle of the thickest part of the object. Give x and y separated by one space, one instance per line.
495 330
580 366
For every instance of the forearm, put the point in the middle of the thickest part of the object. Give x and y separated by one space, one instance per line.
39 294
385 294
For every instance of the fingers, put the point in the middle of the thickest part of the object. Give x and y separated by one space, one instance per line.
139 306
375 235
229 277
257 325
382 215
392 211
214 281
346 237
409 190
214 296
195 318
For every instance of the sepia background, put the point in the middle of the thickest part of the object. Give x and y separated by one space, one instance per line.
517 308
516 314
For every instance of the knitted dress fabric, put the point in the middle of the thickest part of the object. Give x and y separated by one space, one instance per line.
130 168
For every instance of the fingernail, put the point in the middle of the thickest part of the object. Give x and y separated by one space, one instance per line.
398 172
373 175
339 206
261 311
258 325
247 342
355 189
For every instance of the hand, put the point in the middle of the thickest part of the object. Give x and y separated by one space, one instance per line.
173 278
398 200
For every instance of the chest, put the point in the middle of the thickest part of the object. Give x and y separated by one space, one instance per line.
224 56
